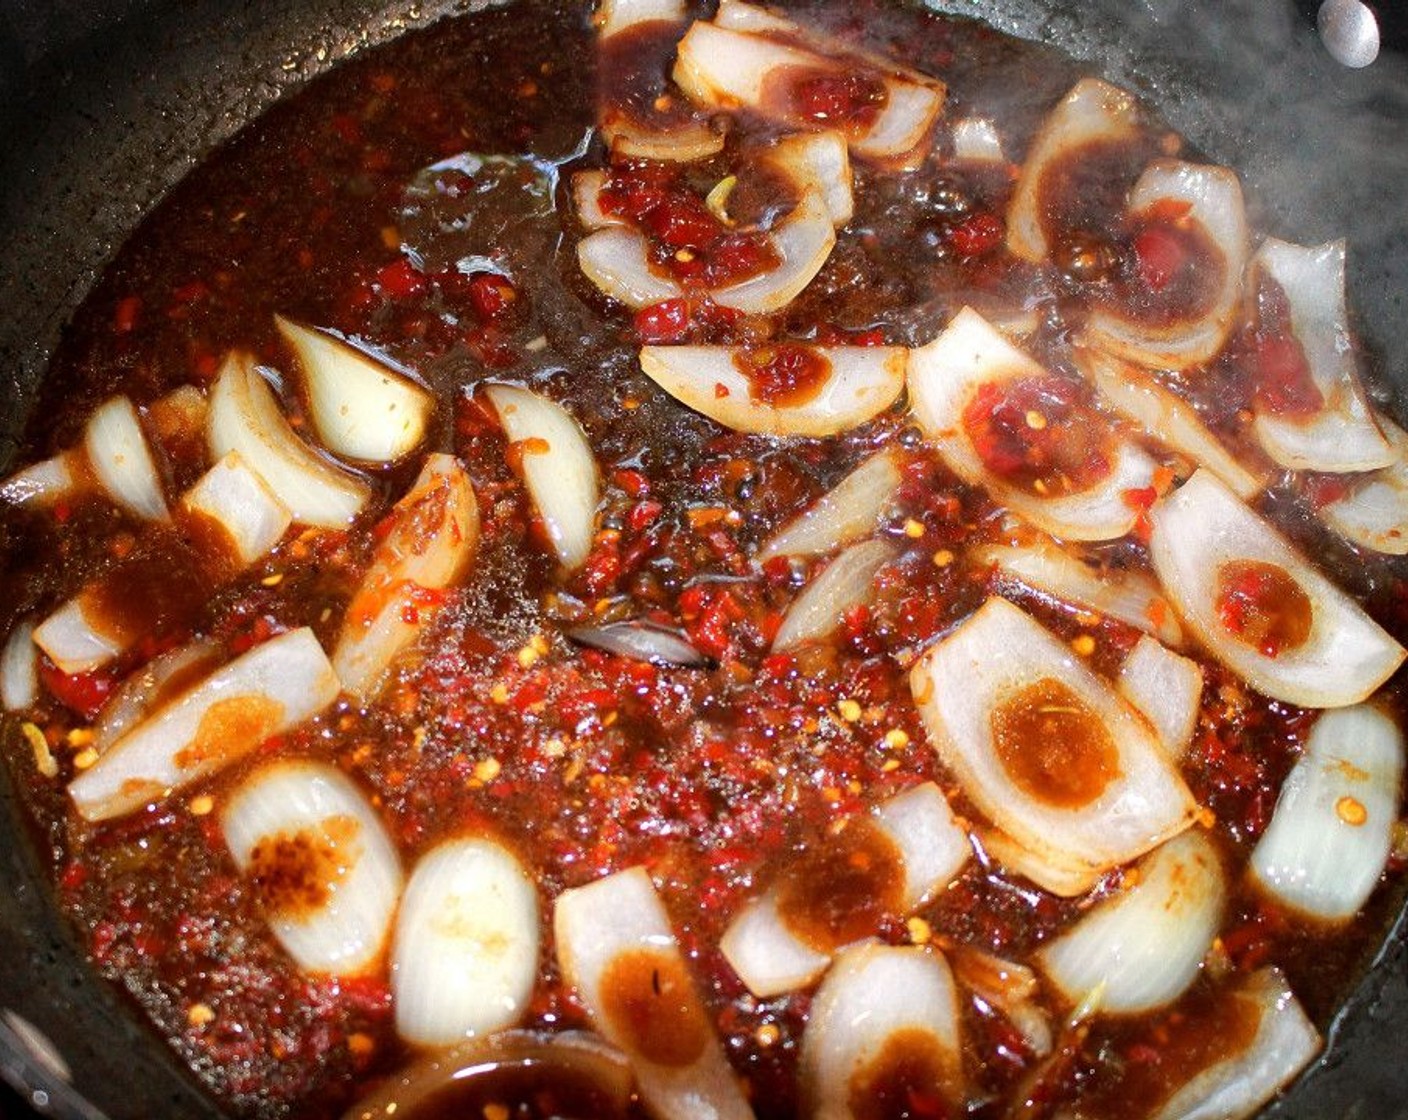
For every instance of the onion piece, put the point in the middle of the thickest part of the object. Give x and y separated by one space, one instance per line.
361 406
178 418
916 828
1374 513
1094 795
433 535
944 375
617 260
1047 569
852 509
1200 531
1329 837
319 862
121 459
75 642
802 240
680 142
586 199
1342 435
1168 418
241 503
885 1025
43 483
1051 871
1167 688
1143 946
976 140
245 417
1236 1086
861 382
847 582
738 15
616 948
614 16
19 668
820 160
1008 988
465 951
575 1072
558 468
1214 198
640 640
151 687
1093 112
268 690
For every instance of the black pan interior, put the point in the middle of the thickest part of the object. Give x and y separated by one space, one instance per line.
105 104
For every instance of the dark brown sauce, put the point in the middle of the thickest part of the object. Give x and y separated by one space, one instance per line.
518 1091
842 890
912 1078
634 77
161 587
1261 605
783 376
1053 746
649 1000
848 99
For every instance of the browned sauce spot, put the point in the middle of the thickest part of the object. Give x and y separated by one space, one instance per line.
1173 271
649 999
211 544
846 99
1263 606
785 376
633 76
840 892
1053 746
294 873
229 728
1084 189
158 588
912 1078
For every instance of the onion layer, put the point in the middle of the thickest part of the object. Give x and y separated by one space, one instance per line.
850 510
122 461
617 260
1374 513
1167 688
19 668
241 503
846 583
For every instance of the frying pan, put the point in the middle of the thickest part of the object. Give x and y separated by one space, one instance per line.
105 104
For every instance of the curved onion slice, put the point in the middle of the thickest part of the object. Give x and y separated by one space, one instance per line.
803 240
1199 532
1168 418
567 1074
1007 987
640 640
586 198
465 952
617 260
1093 112
320 864
976 140
245 417
361 407
1214 198
1239 1083
861 382
1342 435
44 482
820 160
944 375
273 687
616 948
1328 839
614 16
19 668
241 503
885 1025
681 142
1131 597
559 468
847 582
1087 793
433 535
1143 946
1166 688
1374 513
121 459
850 510
915 833
76 642
151 687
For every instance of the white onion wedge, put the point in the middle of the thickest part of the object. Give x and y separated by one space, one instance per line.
241 503
911 846
319 862
1342 435
846 583
151 687
586 199
1166 688
559 468
1050 571
884 1024
43 483
944 375
1093 112
1044 747
850 510
121 459
1329 837
617 261
432 539
679 142
802 240
1202 534
861 382
1374 513
1143 946
739 15
820 160
1168 418
75 641
273 687
245 417
19 668
1214 198
614 16
616 948
1239 1083
361 407
465 951
976 140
